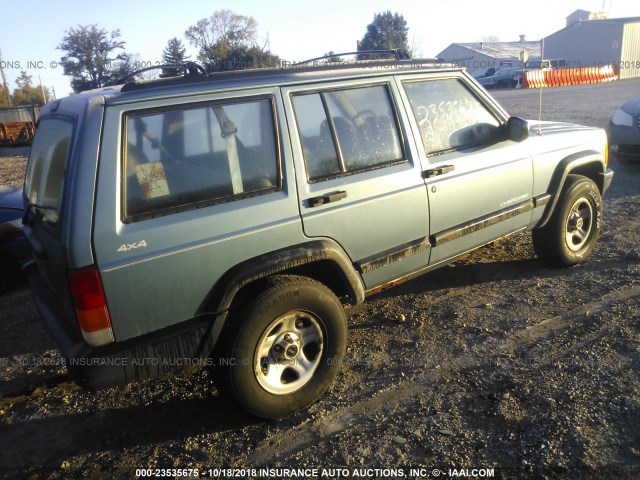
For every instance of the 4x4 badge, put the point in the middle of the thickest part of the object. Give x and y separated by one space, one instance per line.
131 246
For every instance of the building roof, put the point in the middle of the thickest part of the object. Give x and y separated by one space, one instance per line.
597 23
585 15
500 49
622 20
578 12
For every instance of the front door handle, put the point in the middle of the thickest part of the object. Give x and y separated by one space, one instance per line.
434 172
328 198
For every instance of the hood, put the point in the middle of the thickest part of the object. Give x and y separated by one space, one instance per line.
632 107
545 126
11 197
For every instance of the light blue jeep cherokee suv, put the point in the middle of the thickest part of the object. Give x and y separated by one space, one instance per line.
226 219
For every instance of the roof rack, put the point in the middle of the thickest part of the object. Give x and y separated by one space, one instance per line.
397 52
196 75
188 69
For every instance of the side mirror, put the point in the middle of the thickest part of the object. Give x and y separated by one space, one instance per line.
518 129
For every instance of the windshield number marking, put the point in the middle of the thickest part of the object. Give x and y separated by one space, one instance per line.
127 247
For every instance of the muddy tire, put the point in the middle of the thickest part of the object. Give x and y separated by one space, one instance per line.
571 233
283 351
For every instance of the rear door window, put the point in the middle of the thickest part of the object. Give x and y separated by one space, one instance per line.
347 131
189 157
45 176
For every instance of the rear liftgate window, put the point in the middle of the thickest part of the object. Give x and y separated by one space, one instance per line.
347 131
186 158
45 176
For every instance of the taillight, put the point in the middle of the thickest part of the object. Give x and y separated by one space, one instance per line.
90 305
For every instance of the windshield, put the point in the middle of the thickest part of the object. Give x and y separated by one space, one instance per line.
504 71
44 181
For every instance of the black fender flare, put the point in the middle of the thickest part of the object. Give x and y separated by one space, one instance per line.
280 261
589 163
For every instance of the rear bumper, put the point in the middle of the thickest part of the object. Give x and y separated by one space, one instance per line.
169 350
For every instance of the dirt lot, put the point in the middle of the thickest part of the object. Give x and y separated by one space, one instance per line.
495 362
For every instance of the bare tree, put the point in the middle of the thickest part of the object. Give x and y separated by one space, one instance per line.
89 56
221 33
228 41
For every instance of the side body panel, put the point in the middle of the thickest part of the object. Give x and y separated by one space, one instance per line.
184 253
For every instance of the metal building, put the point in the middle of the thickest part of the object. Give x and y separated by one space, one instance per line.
29 113
479 55
598 42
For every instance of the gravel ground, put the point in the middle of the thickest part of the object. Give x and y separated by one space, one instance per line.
495 362
13 162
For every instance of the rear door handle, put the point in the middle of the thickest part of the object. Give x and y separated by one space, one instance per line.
328 198
434 172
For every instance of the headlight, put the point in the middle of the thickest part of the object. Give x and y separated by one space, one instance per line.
622 118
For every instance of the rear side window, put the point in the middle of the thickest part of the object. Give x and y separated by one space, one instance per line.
345 131
186 158
449 115
45 176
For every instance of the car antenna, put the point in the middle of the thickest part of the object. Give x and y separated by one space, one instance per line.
540 97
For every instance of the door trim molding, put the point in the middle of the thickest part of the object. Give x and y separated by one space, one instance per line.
395 254
488 220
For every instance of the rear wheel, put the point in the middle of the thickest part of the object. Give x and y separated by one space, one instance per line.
284 349
571 233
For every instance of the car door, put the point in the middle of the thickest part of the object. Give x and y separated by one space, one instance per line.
479 182
358 180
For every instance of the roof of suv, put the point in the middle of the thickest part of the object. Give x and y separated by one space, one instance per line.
265 76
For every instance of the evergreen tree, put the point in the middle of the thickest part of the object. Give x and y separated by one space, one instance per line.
124 65
387 31
175 53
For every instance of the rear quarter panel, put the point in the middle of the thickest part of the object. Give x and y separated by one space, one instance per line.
169 280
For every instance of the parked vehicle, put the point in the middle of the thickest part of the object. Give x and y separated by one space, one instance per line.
227 219
503 78
624 131
546 64
14 251
483 72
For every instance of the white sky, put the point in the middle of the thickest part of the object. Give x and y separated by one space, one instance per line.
30 30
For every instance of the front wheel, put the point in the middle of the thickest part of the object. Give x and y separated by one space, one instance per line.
284 349
571 233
